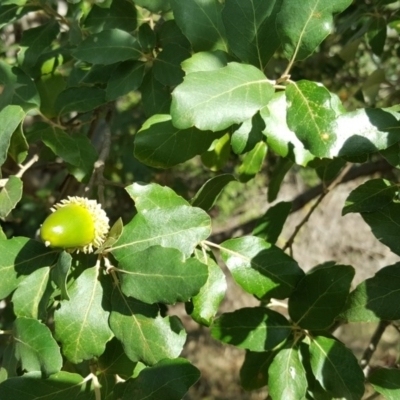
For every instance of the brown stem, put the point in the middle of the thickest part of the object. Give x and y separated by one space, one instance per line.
369 351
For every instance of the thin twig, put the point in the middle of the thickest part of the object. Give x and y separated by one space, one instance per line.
22 169
327 189
369 351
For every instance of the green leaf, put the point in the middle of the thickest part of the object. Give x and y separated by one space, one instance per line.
60 273
121 15
279 137
385 225
250 29
310 116
10 195
386 382
320 296
79 99
377 35
270 225
282 167
237 91
336 368
31 386
113 235
201 22
75 150
255 329
159 275
286 375
216 157
254 371
144 334
19 146
81 323
10 117
167 66
156 98
128 76
159 144
181 227
149 196
115 361
376 298
35 41
303 26
108 47
169 32
18 88
252 162
208 194
35 347
248 135
9 363
28 296
8 13
204 305
147 37
21 257
154 6
167 380
49 87
261 268
370 196
205 61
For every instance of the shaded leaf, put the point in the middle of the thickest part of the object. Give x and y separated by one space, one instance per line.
208 194
376 298
252 162
286 374
128 76
10 117
216 157
303 26
270 225
167 66
121 15
28 296
108 47
169 32
19 147
201 23
250 29
238 91
35 41
156 98
320 296
370 196
282 167
160 144
147 37
10 195
385 225
154 6
377 35
181 227
35 347
255 329
79 99
145 335
81 323
18 88
60 273
167 380
248 135
31 386
159 275
386 382
261 268
254 371
336 368
20 257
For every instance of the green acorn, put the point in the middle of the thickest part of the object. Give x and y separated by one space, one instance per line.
76 223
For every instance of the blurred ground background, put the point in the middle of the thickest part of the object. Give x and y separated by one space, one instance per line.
327 236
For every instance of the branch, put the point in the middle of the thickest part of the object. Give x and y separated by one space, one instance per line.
300 201
370 350
22 169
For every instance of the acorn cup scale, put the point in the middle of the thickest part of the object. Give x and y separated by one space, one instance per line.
76 223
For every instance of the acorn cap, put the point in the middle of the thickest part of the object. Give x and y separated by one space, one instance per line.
76 223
